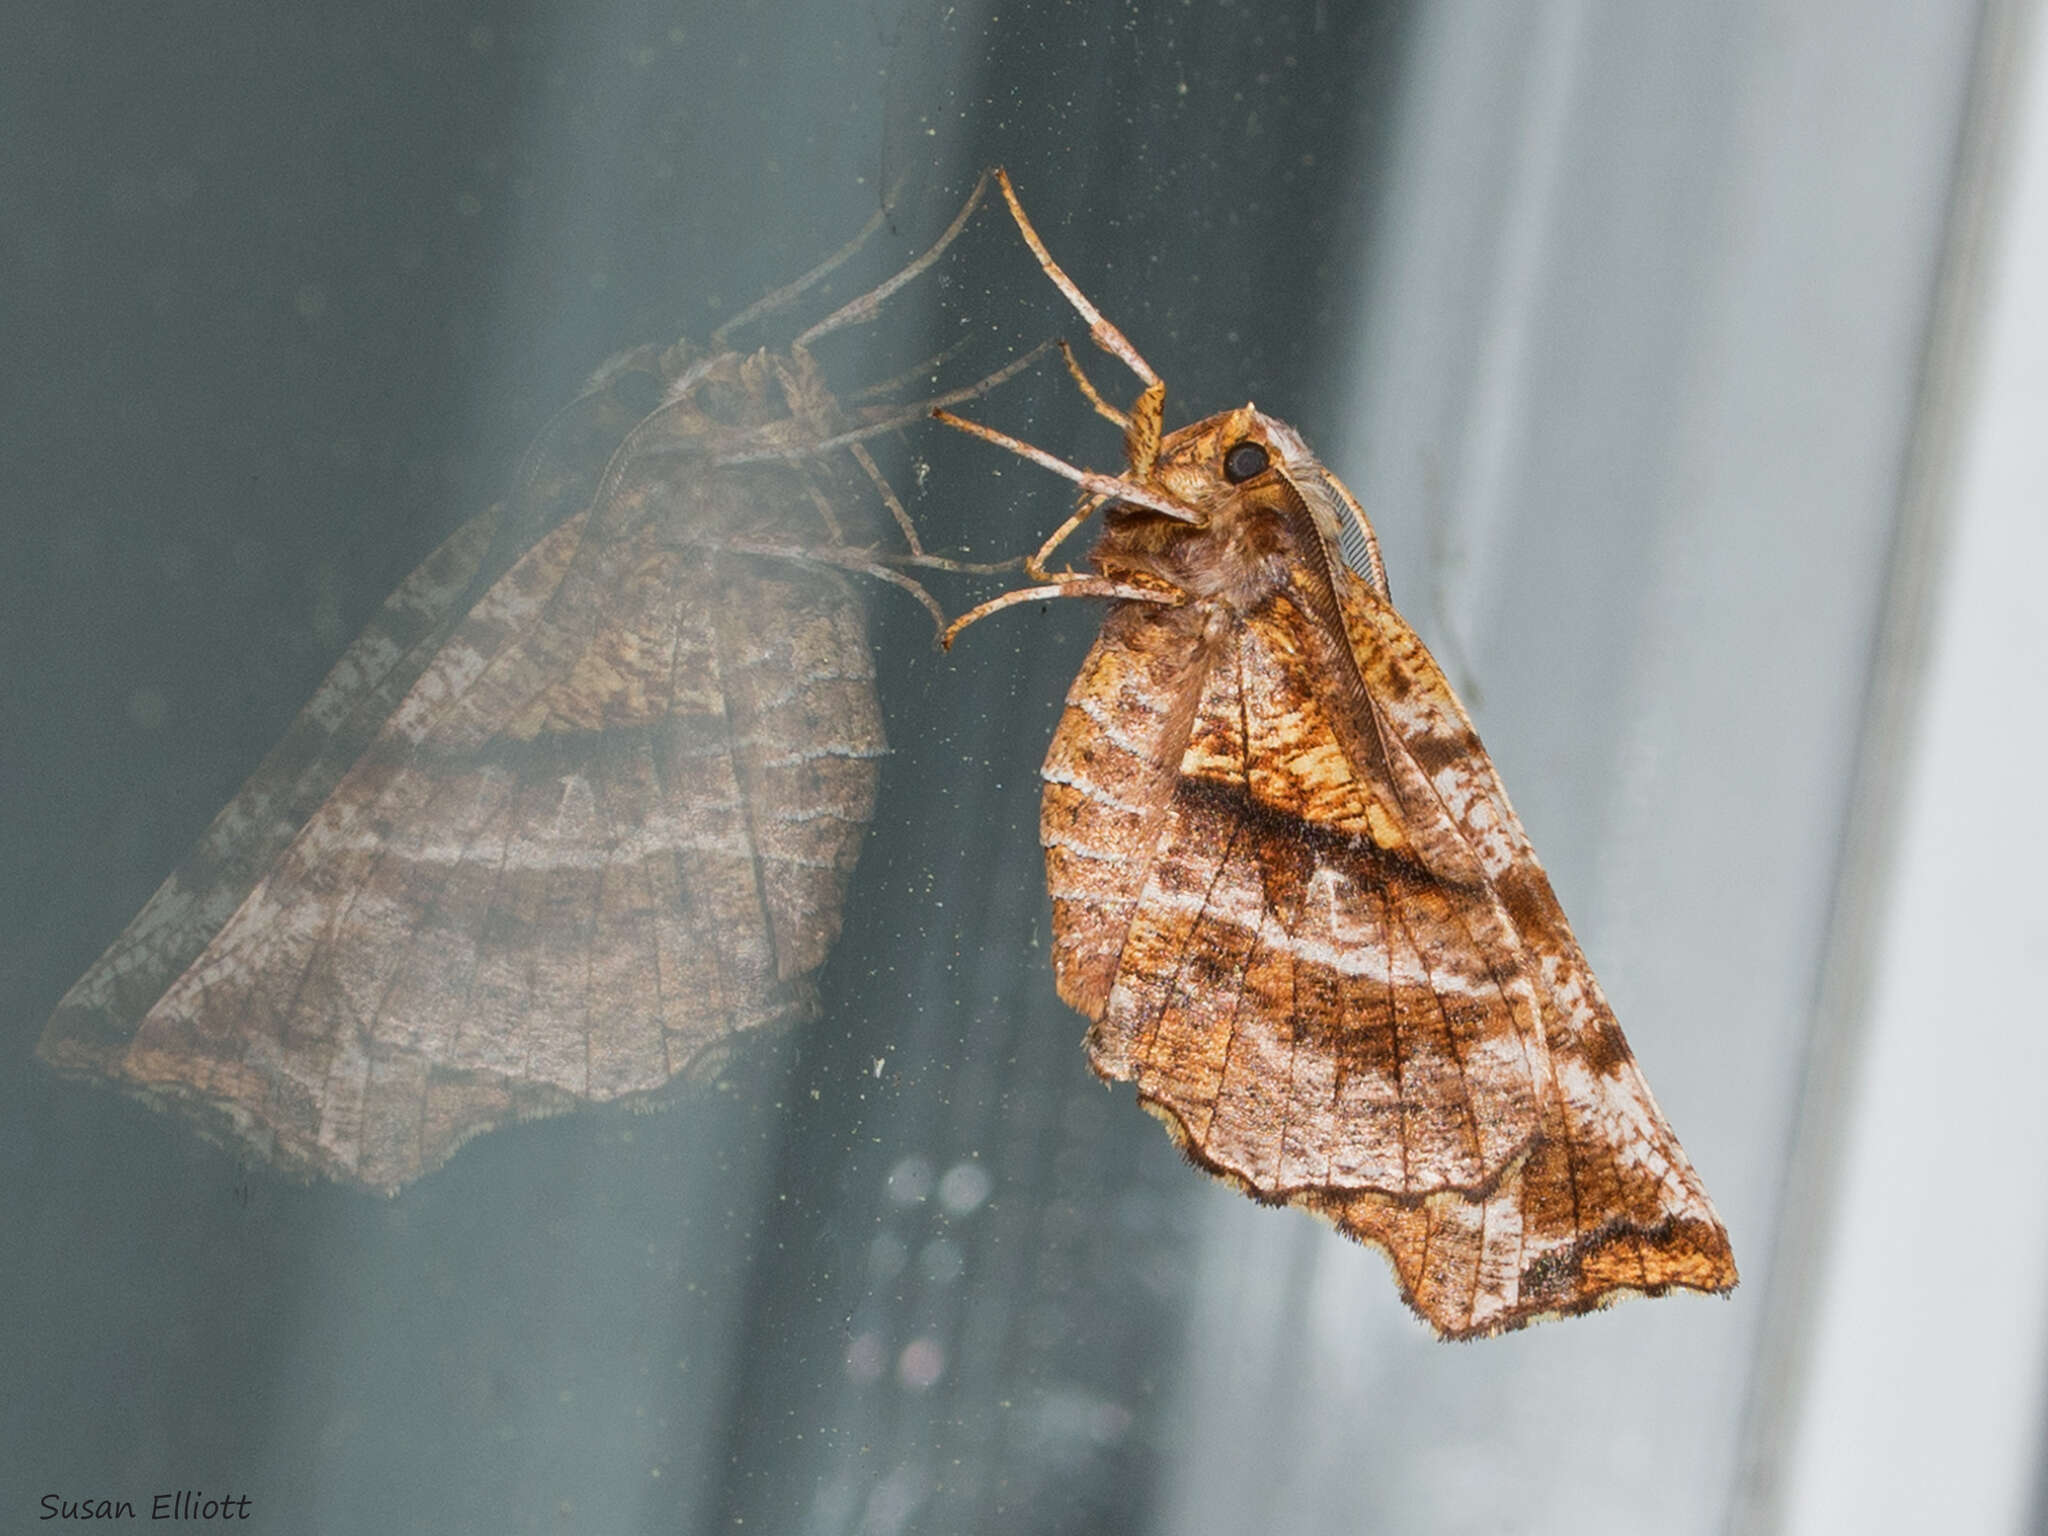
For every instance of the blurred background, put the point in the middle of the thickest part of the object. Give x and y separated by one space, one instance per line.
1692 363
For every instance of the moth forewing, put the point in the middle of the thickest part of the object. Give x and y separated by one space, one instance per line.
1291 895
573 817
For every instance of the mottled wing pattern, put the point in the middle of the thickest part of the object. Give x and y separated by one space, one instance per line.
1109 780
606 829
1607 1203
96 1021
1306 1002
1297 905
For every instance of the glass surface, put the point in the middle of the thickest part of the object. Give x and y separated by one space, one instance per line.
1610 315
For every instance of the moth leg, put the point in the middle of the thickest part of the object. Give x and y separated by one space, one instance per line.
877 425
1078 586
957 567
1034 566
873 471
903 380
840 553
849 560
1147 425
918 410
844 559
788 293
863 309
1109 487
1102 406
1106 336
1142 428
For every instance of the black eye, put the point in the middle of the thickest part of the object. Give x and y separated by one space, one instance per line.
1244 461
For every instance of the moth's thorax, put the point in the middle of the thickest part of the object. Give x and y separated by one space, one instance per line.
1237 556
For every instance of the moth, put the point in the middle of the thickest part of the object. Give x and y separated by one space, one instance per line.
574 814
1292 899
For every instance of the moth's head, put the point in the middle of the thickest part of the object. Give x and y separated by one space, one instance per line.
693 402
713 395
1202 466
1252 482
696 393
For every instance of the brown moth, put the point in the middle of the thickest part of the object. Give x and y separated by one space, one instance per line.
1291 896
575 812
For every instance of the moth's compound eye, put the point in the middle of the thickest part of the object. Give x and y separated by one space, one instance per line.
1244 461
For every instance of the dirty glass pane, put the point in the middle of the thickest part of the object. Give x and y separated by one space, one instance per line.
1612 317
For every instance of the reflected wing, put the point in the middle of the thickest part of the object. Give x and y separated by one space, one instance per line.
96 1021
1249 917
606 827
